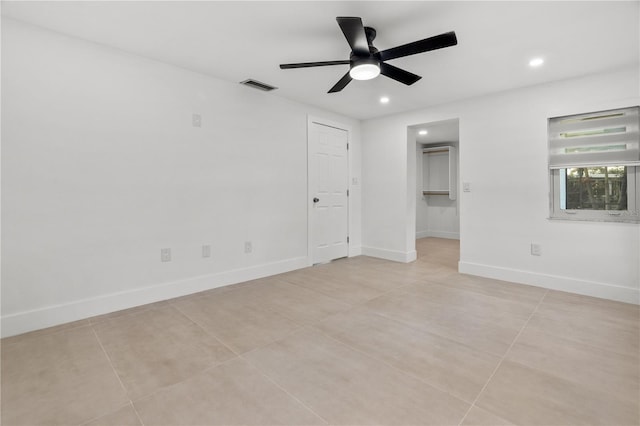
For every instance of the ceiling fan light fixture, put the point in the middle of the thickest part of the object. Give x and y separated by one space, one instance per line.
365 69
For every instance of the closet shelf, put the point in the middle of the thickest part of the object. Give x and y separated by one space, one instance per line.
439 171
435 192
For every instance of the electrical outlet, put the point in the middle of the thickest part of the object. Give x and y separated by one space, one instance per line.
466 186
248 247
165 255
196 120
536 249
206 251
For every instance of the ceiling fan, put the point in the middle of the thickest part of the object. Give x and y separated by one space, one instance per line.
367 62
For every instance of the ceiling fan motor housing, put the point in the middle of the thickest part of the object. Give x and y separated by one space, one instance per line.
374 56
360 60
370 33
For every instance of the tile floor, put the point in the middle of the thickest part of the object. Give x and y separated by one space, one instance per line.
358 341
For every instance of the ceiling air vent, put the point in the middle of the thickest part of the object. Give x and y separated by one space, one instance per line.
258 85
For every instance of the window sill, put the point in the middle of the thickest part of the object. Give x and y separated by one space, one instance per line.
612 219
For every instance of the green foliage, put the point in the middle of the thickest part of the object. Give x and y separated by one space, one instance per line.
597 188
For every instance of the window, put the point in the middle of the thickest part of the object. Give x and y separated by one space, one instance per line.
594 163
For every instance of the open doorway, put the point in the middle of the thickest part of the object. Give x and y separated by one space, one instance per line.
437 177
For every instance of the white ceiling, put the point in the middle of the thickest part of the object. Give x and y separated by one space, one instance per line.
438 131
239 40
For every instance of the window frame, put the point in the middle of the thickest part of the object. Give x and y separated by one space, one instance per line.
631 215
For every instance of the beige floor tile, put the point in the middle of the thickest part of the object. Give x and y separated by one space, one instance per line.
448 256
592 306
63 378
135 310
45 331
495 288
233 393
381 279
344 386
354 262
401 277
447 259
158 347
608 332
590 311
479 417
327 270
294 302
125 416
216 290
239 324
471 301
491 332
436 271
447 365
439 250
437 242
345 290
616 374
523 395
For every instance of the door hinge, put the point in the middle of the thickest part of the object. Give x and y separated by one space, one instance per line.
347 239
347 147
347 192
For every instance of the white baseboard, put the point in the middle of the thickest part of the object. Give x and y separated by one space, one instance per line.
554 282
396 256
50 316
438 234
422 234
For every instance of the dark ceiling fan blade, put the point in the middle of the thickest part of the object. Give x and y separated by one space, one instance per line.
346 79
353 31
431 43
398 74
313 64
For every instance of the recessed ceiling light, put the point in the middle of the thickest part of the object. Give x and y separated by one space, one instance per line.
422 132
536 62
384 100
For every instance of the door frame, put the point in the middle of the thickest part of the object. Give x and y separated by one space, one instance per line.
412 143
337 125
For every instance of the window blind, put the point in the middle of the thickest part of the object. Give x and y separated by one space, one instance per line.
595 139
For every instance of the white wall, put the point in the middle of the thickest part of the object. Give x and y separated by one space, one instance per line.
503 154
101 168
436 215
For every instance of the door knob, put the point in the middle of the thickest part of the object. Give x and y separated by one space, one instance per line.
315 199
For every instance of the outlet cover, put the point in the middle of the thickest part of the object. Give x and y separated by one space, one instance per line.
206 251
196 120
248 247
165 255
536 249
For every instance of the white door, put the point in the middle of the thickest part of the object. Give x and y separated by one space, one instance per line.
328 185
